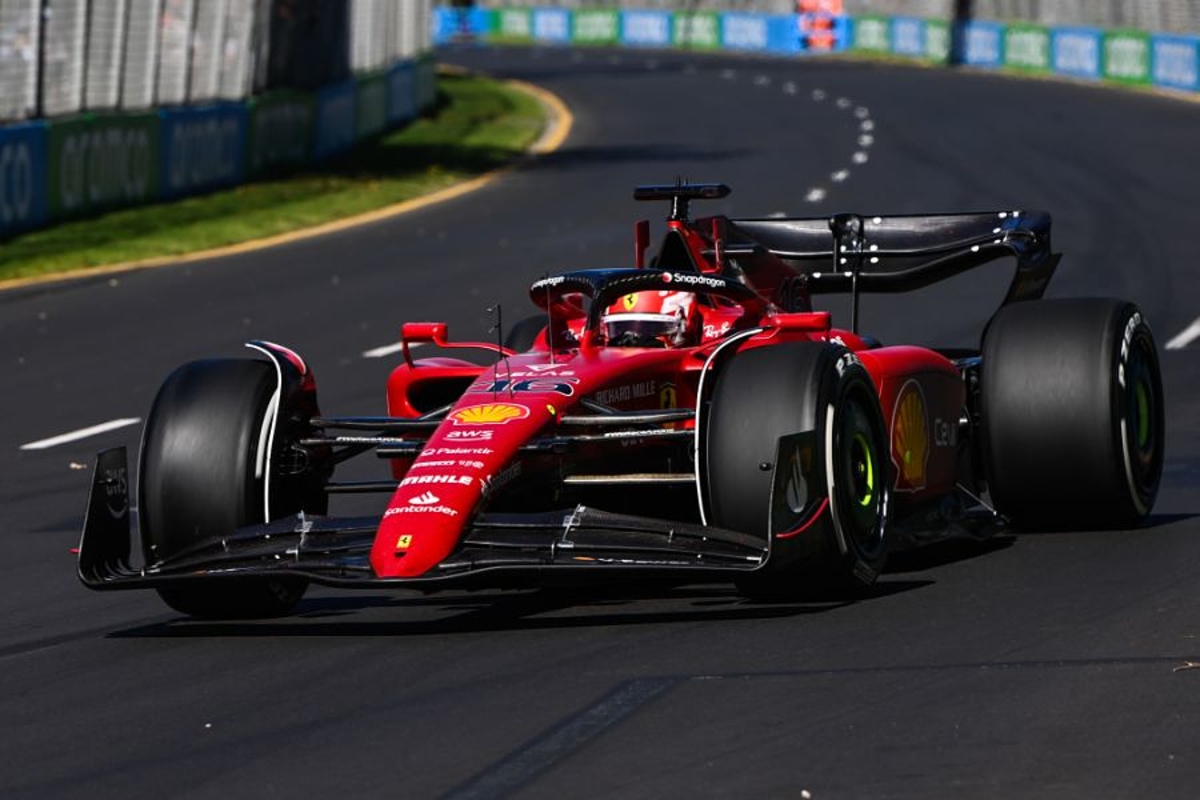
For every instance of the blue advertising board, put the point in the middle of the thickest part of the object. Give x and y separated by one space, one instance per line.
750 32
401 92
23 177
552 25
452 24
646 28
336 127
1174 62
203 148
1076 52
985 44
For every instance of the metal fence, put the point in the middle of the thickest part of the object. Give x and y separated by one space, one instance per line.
66 56
1163 16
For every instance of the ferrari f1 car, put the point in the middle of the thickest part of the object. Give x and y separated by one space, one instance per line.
690 417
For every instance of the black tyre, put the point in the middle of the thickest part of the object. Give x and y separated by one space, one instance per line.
1072 414
772 392
525 333
198 483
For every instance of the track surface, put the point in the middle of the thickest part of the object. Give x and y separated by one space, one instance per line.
1051 665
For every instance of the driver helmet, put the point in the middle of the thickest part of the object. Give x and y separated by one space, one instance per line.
650 319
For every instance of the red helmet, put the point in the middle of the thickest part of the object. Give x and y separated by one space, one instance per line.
651 319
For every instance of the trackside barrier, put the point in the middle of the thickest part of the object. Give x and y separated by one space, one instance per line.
1129 57
71 166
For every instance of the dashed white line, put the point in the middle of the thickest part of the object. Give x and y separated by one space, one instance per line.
82 433
762 80
840 176
859 157
815 195
866 126
789 88
1185 337
388 349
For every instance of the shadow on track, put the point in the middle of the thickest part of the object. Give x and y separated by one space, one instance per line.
505 611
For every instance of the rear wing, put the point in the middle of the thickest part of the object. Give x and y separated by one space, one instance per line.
854 253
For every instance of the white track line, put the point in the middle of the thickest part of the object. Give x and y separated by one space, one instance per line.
388 349
82 433
1191 334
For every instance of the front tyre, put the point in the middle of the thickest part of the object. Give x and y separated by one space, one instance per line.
202 474
824 538
1072 414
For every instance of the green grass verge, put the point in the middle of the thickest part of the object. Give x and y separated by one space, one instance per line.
479 124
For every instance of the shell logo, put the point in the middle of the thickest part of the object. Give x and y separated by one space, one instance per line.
910 438
489 414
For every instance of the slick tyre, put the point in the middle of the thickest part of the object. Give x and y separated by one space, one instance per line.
1071 408
816 548
199 479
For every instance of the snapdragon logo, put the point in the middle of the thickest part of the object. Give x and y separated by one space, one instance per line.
692 279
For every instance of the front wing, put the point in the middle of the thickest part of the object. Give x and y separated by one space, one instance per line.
496 550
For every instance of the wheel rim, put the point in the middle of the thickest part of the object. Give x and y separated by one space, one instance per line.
859 476
1141 416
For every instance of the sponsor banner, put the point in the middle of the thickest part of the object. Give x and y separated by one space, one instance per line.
985 44
552 25
1027 48
370 105
1174 62
514 25
23 179
908 37
872 34
102 161
401 93
745 32
700 29
646 28
1127 56
595 26
281 124
1076 52
450 24
785 35
426 76
937 40
203 148
336 119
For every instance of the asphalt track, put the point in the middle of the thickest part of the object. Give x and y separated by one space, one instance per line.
1038 666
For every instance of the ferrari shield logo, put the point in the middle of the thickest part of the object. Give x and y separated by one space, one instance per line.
404 542
629 300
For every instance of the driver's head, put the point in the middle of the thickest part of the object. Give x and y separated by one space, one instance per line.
650 319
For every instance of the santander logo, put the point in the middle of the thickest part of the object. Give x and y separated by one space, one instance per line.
426 499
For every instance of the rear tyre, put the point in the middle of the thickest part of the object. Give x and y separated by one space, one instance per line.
1072 414
772 392
200 479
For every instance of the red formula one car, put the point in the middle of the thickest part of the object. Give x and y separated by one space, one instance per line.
691 418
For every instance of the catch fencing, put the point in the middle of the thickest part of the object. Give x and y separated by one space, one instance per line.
109 103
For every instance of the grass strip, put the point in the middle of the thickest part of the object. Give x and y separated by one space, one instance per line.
478 125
